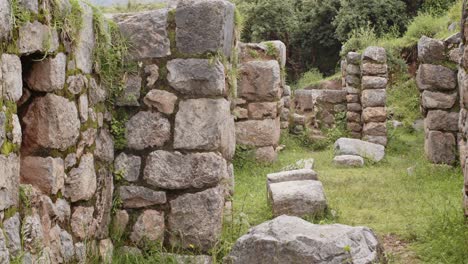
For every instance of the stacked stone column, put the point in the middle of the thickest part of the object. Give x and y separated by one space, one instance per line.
437 84
351 72
259 104
373 95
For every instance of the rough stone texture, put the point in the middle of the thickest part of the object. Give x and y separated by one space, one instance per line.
4 256
104 146
260 81
440 147
11 228
104 202
263 110
148 33
349 146
76 83
266 154
281 51
431 50
442 120
271 242
375 54
306 99
81 182
348 161
293 175
33 233
258 133
152 71
6 21
353 117
48 75
353 58
147 129
129 166
381 140
84 47
51 121
120 221
11 77
36 37
97 94
46 174
371 82
354 107
196 219
148 227
82 222
374 114
297 198
62 210
375 129
3 123
203 26
373 98
131 91
106 250
163 101
173 170
205 124
197 77
434 100
373 69
9 182
83 104
137 196
436 77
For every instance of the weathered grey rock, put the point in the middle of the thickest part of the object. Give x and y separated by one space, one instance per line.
46 174
3 123
442 120
352 98
205 124
104 146
11 75
152 71
240 113
48 75
353 58
260 81
433 100
36 37
106 250
149 227
371 82
306 99
67 246
83 104
374 98
271 242
62 210
76 83
197 77
354 107
51 121
353 117
104 202
120 221
11 228
440 147
97 93
258 133
431 50
281 50
128 166
263 110
381 140
138 196
82 222
6 21
374 69
147 129
349 146
163 101
266 154
435 77
453 39
352 90
375 129
354 127
9 182
286 90
32 233
87 139
353 69
205 26
4 255
195 219
348 161
81 182
131 91
147 32
455 55
30 5
297 198
17 134
375 54
293 175
173 170
84 47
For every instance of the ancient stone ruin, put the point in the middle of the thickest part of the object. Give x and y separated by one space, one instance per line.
463 118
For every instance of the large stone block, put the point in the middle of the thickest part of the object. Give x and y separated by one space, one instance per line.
11 77
353 58
139 196
36 37
442 120
371 82
6 21
104 150
434 100
440 147
281 50
435 77
374 69
197 77
147 31
12 229
375 54
260 80
375 129
9 180
292 175
147 129
205 26
258 133
263 110
348 161
131 91
84 47
82 224
463 87
374 114
431 50
205 124
195 219
81 183
48 75
51 121
374 98
128 166
164 101
348 146
46 174
149 227
174 171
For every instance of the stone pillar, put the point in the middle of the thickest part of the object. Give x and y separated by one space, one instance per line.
437 82
351 72
463 118
259 103
374 81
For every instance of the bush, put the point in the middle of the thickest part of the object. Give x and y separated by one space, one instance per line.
359 39
436 7
309 78
425 24
403 101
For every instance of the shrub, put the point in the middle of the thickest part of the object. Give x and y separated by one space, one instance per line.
309 78
425 24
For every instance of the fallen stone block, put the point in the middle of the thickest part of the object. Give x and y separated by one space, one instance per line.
348 161
349 146
293 175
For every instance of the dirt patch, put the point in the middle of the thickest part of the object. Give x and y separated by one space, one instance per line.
398 251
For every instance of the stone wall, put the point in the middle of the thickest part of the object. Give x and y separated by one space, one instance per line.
437 81
259 105
463 118
365 79
143 152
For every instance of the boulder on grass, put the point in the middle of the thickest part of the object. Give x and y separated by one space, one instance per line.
350 146
348 161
